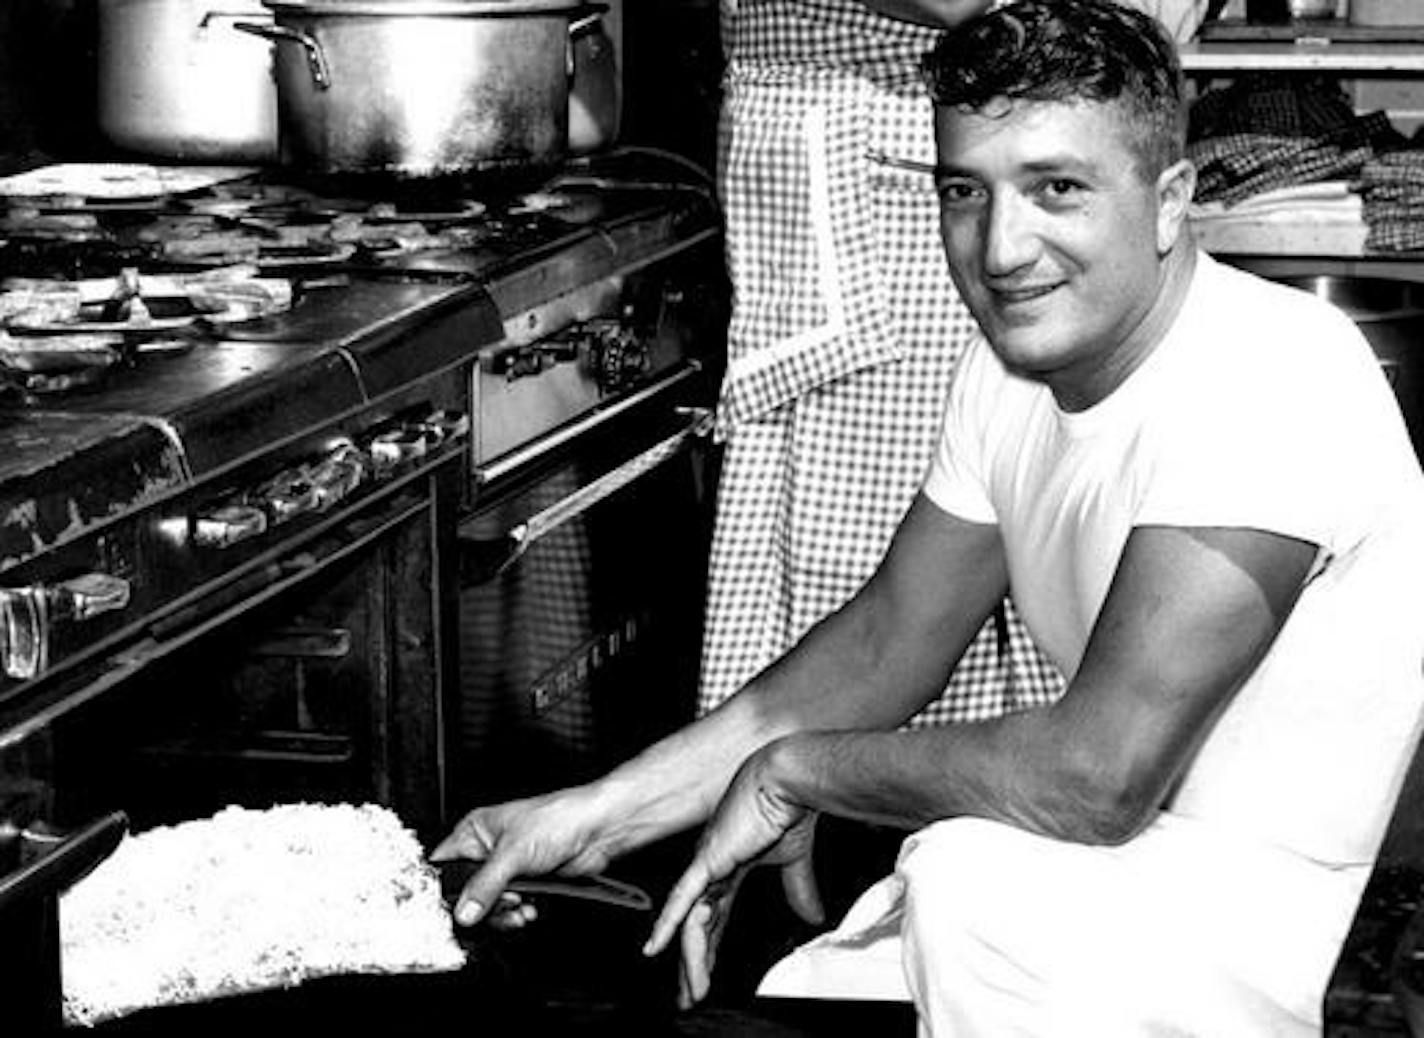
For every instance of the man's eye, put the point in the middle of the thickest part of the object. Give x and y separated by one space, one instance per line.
957 192
1061 189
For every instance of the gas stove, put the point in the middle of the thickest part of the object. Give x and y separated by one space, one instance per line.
311 495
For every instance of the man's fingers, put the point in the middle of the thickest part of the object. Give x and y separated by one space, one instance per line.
483 890
698 947
679 902
464 841
803 894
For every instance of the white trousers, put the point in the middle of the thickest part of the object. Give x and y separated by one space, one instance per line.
995 932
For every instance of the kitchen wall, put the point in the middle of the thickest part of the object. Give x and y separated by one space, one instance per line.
671 73
46 80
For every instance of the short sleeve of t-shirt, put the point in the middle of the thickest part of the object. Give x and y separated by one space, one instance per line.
1266 416
956 480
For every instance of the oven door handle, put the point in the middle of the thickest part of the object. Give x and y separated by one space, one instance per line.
518 540
54 861
486 474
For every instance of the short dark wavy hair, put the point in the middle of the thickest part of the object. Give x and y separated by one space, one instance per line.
1069 51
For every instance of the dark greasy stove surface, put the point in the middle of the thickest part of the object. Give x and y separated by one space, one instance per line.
421 286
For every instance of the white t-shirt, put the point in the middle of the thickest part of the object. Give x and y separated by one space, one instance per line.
1265 408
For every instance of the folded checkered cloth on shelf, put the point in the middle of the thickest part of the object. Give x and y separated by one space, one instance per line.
1238 166
1260 134
1305 106
1392 186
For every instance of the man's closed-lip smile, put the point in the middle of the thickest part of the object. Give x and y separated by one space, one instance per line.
1022 293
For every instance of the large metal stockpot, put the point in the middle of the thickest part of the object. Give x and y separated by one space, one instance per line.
421 88
174 80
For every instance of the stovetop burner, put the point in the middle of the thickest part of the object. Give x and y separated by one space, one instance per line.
274 226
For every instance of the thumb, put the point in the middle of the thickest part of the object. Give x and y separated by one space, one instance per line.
803 894
483 889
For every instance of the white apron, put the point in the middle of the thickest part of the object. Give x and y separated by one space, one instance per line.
995 932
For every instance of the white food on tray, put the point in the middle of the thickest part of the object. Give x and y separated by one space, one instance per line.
250 900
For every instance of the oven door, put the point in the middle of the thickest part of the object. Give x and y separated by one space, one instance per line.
315 676
580 606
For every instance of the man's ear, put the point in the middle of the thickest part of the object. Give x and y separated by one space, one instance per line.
1175 186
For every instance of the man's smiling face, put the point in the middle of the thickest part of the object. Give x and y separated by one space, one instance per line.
1056 239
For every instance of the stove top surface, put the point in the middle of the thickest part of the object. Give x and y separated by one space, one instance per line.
283 226
298 307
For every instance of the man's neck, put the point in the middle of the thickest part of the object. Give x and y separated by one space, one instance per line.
1178 266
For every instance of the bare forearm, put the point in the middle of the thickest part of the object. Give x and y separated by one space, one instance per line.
1099 763
1014 769
864 667
839 681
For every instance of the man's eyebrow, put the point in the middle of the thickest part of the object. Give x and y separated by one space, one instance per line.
1061 164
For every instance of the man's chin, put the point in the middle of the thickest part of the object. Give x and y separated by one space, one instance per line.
1018 352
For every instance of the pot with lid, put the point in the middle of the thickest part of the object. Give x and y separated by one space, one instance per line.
422 88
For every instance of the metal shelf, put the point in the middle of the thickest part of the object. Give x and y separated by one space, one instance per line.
1304 55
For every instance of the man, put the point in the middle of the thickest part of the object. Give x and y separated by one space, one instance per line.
1201 493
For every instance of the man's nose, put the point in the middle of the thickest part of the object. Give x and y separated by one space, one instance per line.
1009 240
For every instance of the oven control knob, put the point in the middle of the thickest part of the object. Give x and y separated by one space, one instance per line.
28 616
445 425
391 448
228 525
87 596
288 495
24 631
338 475
617 357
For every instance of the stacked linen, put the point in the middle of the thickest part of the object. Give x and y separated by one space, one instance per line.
1305 219
1278 160
1264 133
1392 186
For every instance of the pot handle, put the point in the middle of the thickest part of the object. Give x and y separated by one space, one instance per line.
316 57
585 17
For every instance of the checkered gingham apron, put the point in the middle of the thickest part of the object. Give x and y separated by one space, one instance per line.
844 334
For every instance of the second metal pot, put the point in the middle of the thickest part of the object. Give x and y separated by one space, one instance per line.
174 81
422 88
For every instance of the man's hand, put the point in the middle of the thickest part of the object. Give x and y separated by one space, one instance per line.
752 824
703 927
537 836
